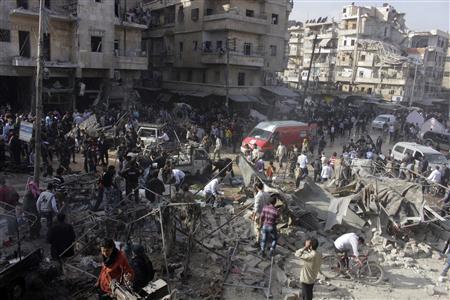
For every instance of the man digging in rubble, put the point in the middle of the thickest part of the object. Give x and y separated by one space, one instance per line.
261 199
269 219
346 243
312 260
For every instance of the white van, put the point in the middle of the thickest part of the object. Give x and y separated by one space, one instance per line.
417 151
382 121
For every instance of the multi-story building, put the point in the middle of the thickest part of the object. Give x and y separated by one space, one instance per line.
201 48
446 76
320 38
91 47
292 74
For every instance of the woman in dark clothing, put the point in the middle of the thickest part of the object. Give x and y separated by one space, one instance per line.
29 206
142 266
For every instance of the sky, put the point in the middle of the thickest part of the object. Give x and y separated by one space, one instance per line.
419 14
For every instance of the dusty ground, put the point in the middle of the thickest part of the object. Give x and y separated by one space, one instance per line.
412 278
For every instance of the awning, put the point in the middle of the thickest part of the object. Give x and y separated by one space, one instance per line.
199 94
324 42
244 99
163 97
280 91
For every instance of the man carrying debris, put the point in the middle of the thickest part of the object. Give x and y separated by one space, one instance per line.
312 260
115 267
269 219
261 199
349 242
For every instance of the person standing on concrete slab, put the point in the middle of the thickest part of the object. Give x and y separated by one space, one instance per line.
312 260
269 220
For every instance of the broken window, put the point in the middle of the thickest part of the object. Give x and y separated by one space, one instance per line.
96 44
241 78
274 19
249 13
5 35
22 4
273 50
194 14
247 48
24 43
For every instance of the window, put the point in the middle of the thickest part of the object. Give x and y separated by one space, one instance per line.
385 31
218 45
24 43
98 1
47 4
362 58
363 89
189 75
274 19
116 47
343 58
399 149
216 76
352 42
446 74
5 35
195 45
345 42
194 14
208 46
354 26
180 14
204 76
249 13
344 10
241 78
391 92
273 50
361 74
96 44
180 47
209 11
247 49
46 47
22 3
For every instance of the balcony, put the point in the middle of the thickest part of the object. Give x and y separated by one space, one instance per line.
322 50
343 78
131 60
367 80
20 61
159 31
56 14
254 60
232 21
129 25
347 32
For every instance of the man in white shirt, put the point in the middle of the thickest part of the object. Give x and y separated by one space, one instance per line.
281 154
46 204
434 177
178 175
217 148
212 190
327 172
261 199
164 137
302 162
348 243
323 159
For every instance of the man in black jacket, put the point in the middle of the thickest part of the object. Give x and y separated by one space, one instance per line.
155 187
142 266
61 236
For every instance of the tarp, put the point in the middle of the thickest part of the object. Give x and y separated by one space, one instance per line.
281 91
432 125
415 118
244 99
337 211
257 115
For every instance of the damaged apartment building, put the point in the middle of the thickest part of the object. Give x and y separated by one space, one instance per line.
211 49
92 51
295 55
370 51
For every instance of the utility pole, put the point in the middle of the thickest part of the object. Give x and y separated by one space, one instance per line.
37 122
309 70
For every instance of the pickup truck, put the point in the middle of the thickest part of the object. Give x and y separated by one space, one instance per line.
149 136
193 161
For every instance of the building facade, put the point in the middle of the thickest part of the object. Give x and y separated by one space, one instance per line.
205 48
91 48
292 74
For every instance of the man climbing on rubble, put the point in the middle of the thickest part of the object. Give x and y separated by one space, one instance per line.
312 260
269 220
261 199
115 267
346 243
61 237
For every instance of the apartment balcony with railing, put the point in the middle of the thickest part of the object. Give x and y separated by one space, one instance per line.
23 61
61 10
249 59
231 20
130 60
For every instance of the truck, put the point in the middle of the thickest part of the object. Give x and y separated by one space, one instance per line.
192 160
149 136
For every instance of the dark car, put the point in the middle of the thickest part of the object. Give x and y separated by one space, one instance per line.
439 141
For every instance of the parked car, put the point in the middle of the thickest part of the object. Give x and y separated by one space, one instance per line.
382 121
439 141
417 151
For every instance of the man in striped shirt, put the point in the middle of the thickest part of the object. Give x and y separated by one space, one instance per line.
269 219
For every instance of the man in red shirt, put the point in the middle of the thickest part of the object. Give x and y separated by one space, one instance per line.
115 266
269 219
